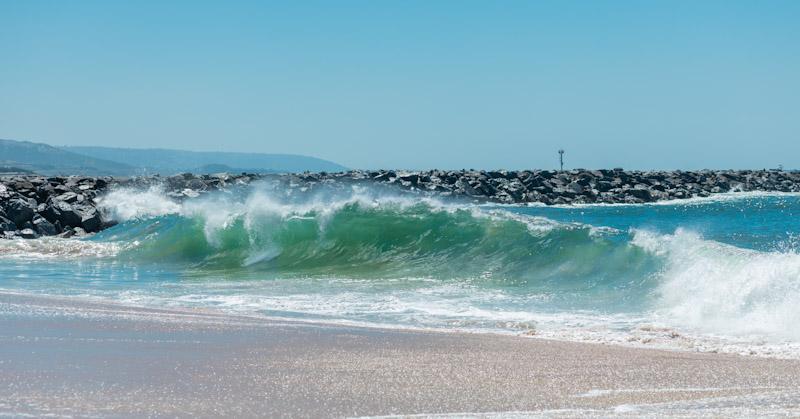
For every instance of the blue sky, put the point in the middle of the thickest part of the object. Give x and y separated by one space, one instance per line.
413 84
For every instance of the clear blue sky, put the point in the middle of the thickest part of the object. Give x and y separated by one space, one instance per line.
412 84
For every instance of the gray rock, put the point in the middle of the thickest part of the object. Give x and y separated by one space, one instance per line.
62 212
90 220
641 194
19 211
575 187
68 197
7 225
44 227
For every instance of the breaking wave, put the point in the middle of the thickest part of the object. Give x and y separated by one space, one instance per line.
719 288
379 237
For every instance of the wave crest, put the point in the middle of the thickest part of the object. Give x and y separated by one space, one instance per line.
719 288
363 235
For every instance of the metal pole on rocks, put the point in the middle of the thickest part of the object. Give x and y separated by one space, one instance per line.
561 158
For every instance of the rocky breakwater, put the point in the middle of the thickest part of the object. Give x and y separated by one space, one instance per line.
583 186
33 206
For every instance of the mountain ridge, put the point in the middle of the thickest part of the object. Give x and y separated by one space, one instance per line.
169 161
49 160
46 159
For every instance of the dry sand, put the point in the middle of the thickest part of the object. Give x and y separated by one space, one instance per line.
78 358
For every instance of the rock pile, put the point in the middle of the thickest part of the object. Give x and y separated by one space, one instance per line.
584 186
33 206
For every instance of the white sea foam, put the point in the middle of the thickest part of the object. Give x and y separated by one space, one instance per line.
452 307
716 288
124 204
56 248
695 200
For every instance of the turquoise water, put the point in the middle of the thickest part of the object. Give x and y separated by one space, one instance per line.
719 274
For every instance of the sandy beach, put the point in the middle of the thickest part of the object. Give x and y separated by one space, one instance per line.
75 358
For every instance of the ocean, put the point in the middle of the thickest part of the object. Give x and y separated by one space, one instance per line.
717 274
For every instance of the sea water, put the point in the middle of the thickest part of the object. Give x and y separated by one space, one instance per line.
716 274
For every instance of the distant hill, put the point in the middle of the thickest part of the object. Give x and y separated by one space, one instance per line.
21 156
165 161
49 160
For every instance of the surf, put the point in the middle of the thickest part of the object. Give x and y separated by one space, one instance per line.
378 237
605 274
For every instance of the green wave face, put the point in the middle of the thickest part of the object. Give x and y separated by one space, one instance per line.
389 240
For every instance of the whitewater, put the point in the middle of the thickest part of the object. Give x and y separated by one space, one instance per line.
719 274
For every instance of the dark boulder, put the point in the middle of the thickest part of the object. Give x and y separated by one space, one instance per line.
604 186
62 212
22 185
100 183
642 194
413 178
44 227
90 220
7 225
575 188
20 211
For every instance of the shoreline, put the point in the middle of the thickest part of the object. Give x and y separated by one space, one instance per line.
647 337
66 356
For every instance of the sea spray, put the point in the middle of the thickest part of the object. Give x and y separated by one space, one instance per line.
718 288
124 204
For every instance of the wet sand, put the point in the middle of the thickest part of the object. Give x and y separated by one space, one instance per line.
77 358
